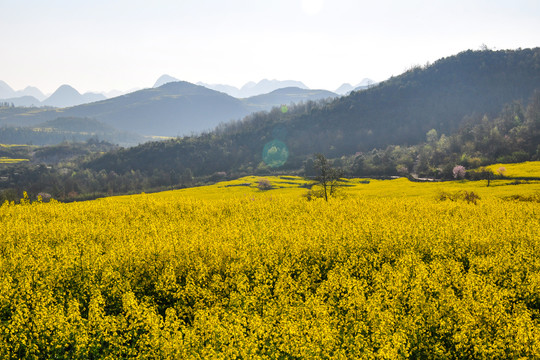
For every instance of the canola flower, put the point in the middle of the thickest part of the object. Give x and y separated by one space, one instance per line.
6 160
255 274
525 169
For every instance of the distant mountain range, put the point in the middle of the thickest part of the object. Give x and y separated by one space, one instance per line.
30 96
175 108
249 89
164 79
66 95
266 86
24 101
170 108
347 88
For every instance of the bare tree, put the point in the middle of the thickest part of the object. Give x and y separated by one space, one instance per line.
328 177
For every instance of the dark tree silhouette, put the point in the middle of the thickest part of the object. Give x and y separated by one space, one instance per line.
327 176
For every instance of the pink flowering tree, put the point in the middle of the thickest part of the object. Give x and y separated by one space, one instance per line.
459 172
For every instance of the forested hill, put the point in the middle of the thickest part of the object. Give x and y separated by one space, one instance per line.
398 111
402 109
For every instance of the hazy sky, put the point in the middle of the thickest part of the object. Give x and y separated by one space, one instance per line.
100 45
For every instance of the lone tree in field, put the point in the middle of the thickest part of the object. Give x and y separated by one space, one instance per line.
459 172
327 176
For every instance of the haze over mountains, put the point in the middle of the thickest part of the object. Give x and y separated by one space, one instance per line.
6 92
172 109
266 86
347 88
249 89
66 95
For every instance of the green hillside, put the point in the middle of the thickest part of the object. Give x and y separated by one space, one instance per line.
402 109
449 95
73 124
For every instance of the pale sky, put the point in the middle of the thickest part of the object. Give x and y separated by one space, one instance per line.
101 45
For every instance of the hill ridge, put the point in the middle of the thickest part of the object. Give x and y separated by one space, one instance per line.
399 111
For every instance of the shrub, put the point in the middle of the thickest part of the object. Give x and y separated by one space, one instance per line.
468 196
45 197
264 184
527 198
515 157
313 194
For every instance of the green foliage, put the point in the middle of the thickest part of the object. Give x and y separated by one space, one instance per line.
515 157
509 136
481 174
529 198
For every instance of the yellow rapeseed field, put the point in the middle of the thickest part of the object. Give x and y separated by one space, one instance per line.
6 160
386 270
526 169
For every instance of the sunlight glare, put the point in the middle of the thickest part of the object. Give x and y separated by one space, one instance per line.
312 7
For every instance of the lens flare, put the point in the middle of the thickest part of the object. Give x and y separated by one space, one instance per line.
275 153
